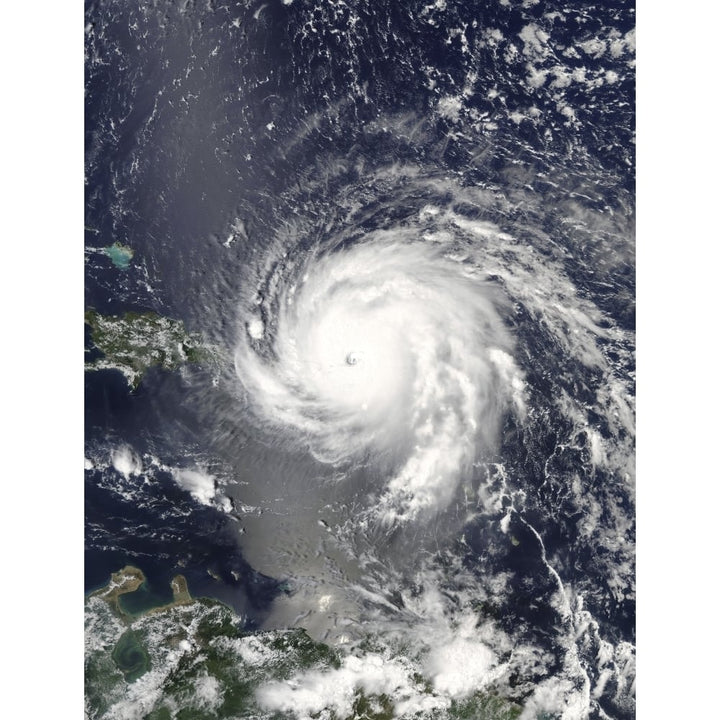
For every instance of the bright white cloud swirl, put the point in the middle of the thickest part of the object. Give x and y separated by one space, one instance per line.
391 348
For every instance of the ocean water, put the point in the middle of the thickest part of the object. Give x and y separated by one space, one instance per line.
406 233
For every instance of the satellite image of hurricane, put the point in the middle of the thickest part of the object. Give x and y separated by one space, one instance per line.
359 359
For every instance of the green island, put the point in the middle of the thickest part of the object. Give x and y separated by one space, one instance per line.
193 659
134 342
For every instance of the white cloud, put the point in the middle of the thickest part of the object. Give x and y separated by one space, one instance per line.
309 693
126 462
199 484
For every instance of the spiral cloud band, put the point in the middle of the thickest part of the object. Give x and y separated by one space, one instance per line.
394 347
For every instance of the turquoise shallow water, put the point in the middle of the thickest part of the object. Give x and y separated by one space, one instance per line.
120 255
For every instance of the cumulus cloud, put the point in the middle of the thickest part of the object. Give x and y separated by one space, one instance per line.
199 484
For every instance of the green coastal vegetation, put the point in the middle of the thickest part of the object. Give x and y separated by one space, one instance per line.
134 342
193 659
184 643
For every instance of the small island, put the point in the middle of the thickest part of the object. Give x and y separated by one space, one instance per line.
120 255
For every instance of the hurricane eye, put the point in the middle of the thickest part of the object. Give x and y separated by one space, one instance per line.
423 340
